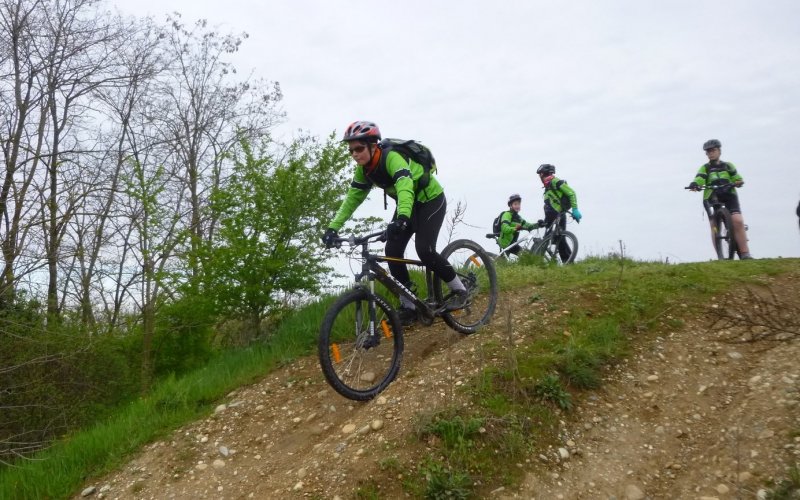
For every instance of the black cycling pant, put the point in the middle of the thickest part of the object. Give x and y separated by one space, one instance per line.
550 214
729 199
426 220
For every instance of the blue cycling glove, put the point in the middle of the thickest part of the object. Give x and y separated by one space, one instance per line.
576 214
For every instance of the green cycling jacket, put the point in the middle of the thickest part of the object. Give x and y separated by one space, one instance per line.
508 227
559 196
722 173
399 180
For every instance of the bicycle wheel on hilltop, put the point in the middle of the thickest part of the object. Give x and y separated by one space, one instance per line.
476 269
724 242
548 248
357 365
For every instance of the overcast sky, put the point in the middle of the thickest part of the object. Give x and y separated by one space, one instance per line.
619 95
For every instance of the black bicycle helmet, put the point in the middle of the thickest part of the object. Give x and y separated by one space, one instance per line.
513 198
362 131
546 169
711 144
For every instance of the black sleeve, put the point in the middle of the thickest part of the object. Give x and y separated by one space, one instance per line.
798 209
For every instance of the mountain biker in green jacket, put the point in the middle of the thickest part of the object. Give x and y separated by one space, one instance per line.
511 223
717 172
420 210
558 198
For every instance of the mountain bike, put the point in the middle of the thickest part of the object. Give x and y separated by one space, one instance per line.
546 246
361 338
722 230
524 243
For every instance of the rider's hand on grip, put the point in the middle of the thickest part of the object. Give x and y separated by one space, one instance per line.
397 227
329 238
694 186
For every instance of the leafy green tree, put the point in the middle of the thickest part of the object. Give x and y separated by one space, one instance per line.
271 212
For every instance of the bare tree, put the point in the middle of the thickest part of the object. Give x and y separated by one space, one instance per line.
24 114
140 61
207 112
80 54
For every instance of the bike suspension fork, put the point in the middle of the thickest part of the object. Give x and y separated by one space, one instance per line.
373 317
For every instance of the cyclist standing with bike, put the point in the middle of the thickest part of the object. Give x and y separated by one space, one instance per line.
511 223
421 208
717 172
558 198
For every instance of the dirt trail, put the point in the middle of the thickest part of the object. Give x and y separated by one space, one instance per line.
687 416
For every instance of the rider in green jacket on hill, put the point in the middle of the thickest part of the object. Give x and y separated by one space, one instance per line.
421 207
717 172
558 198
511 223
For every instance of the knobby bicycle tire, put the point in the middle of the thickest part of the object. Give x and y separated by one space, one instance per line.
357 365
548 249
475 267
724 235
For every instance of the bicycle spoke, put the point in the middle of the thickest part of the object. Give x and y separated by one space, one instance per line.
359 357
475 269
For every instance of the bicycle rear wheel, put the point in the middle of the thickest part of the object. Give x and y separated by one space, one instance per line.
724 242
551 248
475 268
359 358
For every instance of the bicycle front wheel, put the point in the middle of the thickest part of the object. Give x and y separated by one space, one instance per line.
724 242
360 357
561 249
475 268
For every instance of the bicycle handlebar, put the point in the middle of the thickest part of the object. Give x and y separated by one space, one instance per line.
706 187
355 241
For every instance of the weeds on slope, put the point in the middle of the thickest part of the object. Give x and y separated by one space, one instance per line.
574 322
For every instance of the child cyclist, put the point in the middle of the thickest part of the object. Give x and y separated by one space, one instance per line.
511 223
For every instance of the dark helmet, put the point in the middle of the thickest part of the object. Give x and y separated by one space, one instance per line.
711 144
513 198
546 169
362 131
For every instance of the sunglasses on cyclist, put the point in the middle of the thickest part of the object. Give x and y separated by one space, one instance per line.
357 149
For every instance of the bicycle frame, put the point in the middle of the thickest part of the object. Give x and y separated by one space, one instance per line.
554 227
714 207
712 204
372 271
521 243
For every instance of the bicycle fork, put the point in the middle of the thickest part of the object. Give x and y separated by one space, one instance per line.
369 338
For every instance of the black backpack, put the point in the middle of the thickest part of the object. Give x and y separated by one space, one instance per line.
410 149
498 223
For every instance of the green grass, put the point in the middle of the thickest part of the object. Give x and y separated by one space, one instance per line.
606 306
60 470
586 316
787 489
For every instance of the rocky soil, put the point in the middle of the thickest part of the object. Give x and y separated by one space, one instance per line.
691 414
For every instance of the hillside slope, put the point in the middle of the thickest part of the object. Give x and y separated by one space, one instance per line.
700 407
